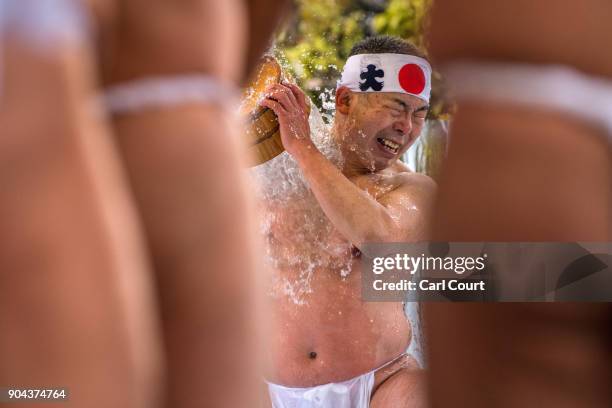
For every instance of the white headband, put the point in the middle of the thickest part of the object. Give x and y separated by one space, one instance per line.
388 73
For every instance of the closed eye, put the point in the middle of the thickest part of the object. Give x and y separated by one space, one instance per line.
421 112
395 110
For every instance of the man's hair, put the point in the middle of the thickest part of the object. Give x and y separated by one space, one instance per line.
383 44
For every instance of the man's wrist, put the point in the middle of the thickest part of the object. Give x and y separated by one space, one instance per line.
305 152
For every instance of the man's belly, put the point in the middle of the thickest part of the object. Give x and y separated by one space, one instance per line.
332 335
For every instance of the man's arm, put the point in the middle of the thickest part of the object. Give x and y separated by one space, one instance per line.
400 215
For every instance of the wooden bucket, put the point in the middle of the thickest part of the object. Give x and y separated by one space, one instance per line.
262 128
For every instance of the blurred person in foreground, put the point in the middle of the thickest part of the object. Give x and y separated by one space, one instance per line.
172 71
524 166
76 302
76 307
332 349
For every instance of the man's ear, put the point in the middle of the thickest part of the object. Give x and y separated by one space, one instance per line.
344 99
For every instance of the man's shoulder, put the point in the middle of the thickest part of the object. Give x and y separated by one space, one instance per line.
409 178
400 167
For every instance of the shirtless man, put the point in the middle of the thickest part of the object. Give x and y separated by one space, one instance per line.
329 335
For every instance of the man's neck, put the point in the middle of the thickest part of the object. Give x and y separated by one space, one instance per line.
351 171
349 168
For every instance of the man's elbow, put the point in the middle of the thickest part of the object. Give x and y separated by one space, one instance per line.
385 233
414 232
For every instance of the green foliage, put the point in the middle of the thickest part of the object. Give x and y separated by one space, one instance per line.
402 18
318 42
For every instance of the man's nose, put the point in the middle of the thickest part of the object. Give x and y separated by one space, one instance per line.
404 125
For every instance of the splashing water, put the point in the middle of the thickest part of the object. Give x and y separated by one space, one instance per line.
328 103
298 235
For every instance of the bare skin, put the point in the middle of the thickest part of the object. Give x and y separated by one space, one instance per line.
541 33
332 335
76 304
184 166
521 174
264 17
403 389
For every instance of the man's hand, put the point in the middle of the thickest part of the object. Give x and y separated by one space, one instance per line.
289 103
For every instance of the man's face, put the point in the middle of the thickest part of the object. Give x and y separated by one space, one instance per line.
380 127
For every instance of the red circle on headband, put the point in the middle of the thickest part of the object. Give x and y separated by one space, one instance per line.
412 79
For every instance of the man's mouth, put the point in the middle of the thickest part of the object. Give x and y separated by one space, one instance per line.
388 145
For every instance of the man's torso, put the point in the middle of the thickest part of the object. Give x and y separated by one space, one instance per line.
324 331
